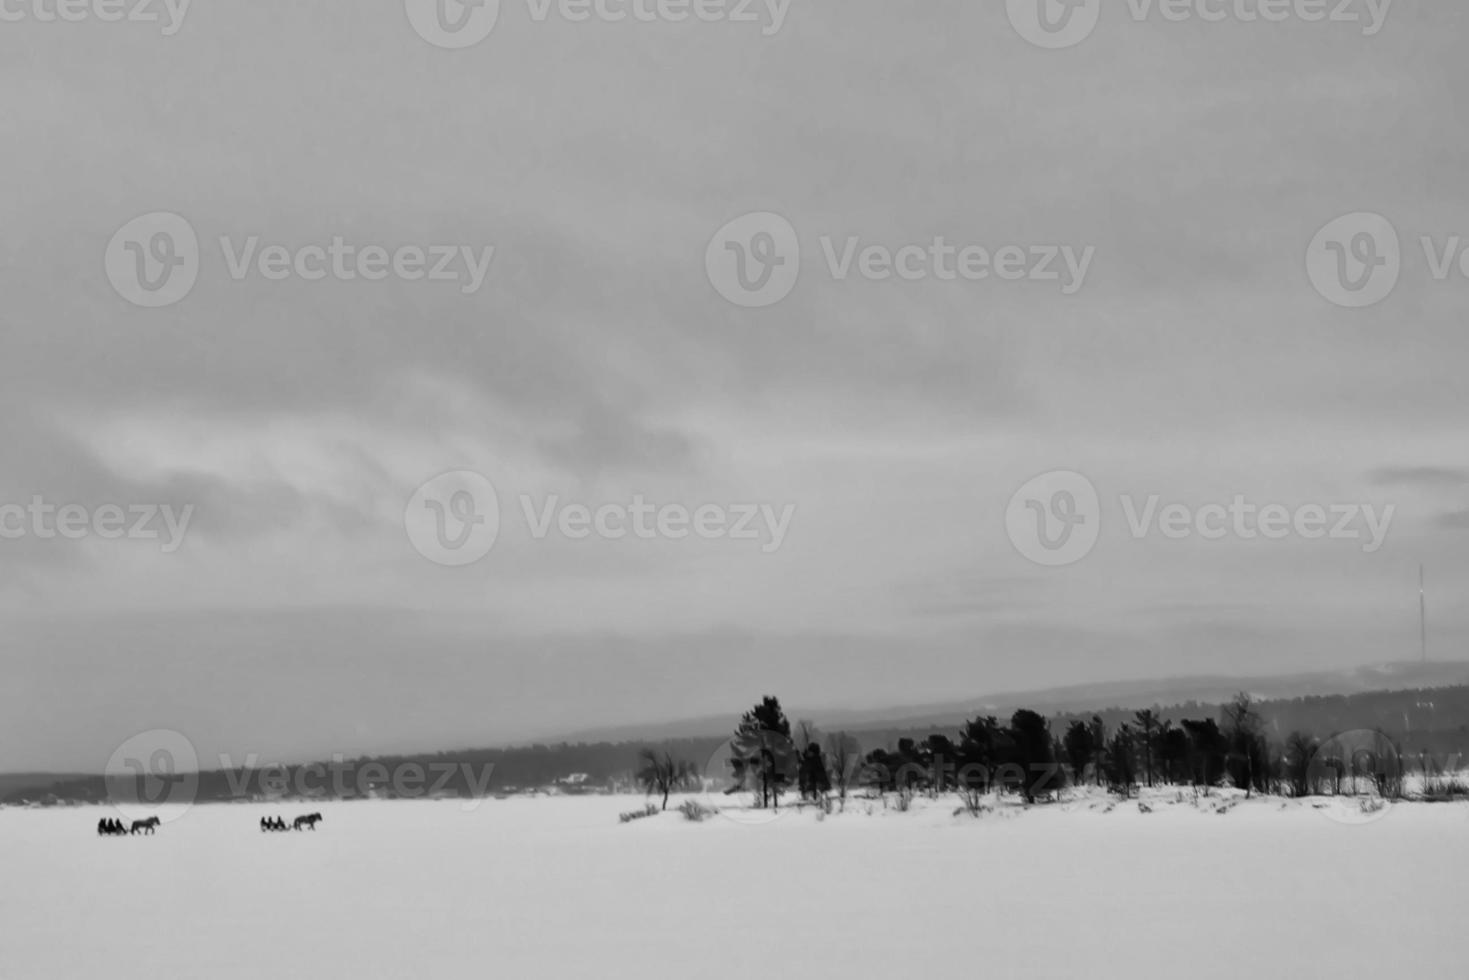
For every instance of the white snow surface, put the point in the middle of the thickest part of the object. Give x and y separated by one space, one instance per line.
556 887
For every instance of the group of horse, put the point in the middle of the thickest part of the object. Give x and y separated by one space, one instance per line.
112 827
309 822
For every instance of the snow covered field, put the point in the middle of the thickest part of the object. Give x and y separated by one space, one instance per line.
558 888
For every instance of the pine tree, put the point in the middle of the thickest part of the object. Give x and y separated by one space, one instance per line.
762 749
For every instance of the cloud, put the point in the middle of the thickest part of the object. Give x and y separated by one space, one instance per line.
598 362
1457 520
1430 477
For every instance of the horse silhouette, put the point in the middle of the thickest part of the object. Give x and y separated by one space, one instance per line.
145 826
309 821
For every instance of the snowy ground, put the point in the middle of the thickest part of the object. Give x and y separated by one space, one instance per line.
558 888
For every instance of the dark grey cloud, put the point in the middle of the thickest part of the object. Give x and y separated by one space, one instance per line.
1430 477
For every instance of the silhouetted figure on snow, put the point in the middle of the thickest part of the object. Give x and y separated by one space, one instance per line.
112 827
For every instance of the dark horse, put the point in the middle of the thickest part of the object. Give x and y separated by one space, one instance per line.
309 821
145 826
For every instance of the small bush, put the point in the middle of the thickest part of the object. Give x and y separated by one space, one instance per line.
1371 805
648 811
974 804
1444 789
696 811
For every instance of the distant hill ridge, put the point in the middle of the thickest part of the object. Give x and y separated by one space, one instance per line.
1065 700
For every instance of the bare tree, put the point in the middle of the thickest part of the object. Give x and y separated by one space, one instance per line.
659 773
1300 751
843 756
806 733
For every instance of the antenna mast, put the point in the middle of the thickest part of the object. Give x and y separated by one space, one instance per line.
1422 616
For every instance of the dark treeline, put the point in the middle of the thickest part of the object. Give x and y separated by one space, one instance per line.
1020 755
1027 755
1030 757
1178 744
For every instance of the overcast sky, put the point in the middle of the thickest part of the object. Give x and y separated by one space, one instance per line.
598 362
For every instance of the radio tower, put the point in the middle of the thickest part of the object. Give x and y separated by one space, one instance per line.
1422 617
